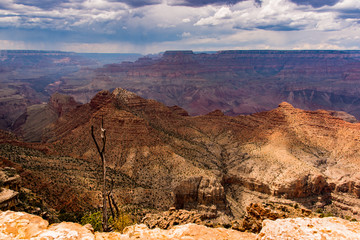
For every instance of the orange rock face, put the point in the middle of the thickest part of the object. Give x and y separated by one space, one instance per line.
159 158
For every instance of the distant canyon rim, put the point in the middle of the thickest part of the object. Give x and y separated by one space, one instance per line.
235 82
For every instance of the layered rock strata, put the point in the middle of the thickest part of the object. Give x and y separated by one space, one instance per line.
161 158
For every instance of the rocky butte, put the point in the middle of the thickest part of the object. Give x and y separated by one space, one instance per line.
208 169
286 153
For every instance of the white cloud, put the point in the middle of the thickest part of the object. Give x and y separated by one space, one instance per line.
276 15
347 4
185 34
221 16
9 20
278 24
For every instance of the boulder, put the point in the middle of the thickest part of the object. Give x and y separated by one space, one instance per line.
66 230
188 231
20 225
310 228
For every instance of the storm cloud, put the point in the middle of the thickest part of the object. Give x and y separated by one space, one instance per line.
149 26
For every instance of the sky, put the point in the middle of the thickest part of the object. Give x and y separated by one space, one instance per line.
153 26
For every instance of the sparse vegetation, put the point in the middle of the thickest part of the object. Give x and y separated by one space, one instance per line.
326 214
93 218
118 224
121 221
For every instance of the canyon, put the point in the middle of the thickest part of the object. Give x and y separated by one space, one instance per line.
225 139
236 82
159 157
26 74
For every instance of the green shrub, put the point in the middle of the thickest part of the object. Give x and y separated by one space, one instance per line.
120 222
326 214
319 210
93 218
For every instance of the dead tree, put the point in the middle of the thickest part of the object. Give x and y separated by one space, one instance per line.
101 152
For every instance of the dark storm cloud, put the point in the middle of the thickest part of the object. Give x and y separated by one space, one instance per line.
316 3
272 27
199 3
279 28
160 24
44 4
138 3
5 5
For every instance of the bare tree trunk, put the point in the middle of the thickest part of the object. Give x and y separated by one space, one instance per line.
109 198
102 156
111 208
115 205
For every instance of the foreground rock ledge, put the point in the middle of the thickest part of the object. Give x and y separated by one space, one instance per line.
19 225
310 228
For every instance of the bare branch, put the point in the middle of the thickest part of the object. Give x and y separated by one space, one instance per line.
92 134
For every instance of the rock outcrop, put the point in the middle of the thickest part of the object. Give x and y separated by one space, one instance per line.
32 124
310 228
257 213
197 191
9 187
18 225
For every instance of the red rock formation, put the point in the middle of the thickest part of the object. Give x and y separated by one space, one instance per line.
286 153
159 158
236 82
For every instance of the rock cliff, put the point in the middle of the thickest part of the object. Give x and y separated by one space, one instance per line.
236 82
162 159
30 126
18 225
159 157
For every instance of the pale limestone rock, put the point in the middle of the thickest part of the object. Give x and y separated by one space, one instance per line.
19 225
185 232
111 236
310 228
65 230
